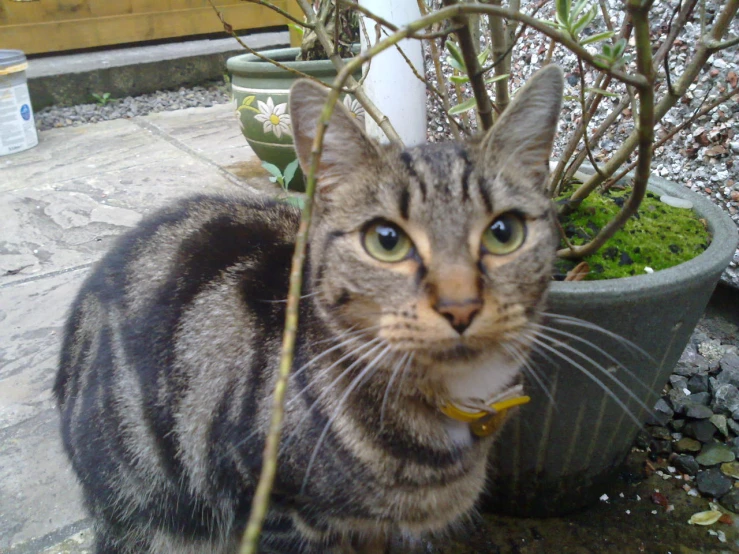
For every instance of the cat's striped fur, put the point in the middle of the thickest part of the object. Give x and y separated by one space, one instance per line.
172 345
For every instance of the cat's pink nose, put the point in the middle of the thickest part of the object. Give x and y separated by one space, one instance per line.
459 314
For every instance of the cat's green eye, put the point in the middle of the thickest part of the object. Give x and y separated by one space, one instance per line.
386 242
505 234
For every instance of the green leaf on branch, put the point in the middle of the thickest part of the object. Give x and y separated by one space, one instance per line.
619 48
456 65
297 28
583 22
597 38
456 53
579 7
459 79
463 107
563 12
497 78
603 92
482 57
289 172
275 171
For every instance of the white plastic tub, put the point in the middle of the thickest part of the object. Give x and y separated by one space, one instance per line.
17 128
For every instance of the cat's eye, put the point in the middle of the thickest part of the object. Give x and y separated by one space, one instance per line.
505 234
386 242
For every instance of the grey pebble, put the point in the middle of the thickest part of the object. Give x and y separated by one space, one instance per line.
701 398
713 483
697 411
679 382
711 350
678 400
729 362
698 383
714 454
725 399
661 433
701 430
685 463
728 375
677 424
720 422
730 500
687 444
661 414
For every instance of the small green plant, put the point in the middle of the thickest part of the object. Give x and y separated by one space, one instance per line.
283 178
102 99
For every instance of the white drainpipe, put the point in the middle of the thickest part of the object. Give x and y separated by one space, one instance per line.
391 84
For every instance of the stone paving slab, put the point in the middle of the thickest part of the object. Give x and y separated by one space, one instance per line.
63 202
61 205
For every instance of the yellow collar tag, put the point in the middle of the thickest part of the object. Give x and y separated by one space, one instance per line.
484 423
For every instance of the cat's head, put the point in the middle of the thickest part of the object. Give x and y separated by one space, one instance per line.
441 250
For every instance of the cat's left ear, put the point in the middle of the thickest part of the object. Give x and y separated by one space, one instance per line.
345 146
522 138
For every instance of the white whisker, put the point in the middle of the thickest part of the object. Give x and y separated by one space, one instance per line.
597 349
592 376
354 383
577 322
393 375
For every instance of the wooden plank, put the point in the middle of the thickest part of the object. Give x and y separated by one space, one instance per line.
294 9
146 20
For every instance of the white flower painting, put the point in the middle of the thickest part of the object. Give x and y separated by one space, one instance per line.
273 118
354 107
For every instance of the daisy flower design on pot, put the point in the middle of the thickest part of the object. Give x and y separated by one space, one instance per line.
274 119
354 107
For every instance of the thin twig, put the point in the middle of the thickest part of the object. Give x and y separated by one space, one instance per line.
229 29
279 10
440 77
586 119
472 65
501 51
715 46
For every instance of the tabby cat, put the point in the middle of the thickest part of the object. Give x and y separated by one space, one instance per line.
426 269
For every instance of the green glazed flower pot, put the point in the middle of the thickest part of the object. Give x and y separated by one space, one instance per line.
559 454
261 92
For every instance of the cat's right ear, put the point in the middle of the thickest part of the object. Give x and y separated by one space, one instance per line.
524 134
345 146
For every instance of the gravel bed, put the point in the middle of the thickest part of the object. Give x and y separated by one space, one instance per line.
132 106
693 438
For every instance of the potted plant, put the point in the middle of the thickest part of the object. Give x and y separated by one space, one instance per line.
610 344
261 81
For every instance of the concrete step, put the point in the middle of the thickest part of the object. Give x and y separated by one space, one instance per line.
70 79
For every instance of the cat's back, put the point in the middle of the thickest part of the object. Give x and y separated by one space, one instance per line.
150 278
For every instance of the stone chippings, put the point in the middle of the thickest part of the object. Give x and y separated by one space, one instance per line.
695 424
132 106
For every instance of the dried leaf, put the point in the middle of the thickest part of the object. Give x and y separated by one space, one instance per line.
726 519
661 499
705 518
578 273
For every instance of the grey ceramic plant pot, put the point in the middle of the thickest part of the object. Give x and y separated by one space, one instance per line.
558 455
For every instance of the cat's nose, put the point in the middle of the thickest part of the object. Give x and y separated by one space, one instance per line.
459 314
